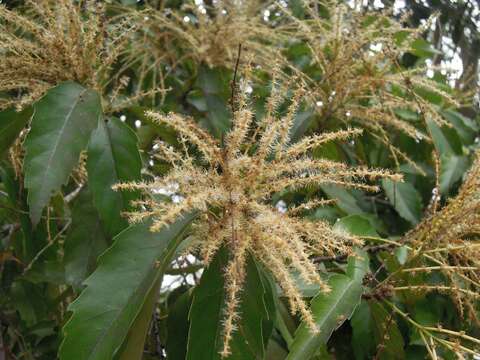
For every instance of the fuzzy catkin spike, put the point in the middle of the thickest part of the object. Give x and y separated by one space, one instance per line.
49 42
447 242
232 191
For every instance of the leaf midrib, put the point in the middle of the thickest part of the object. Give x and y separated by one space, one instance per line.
60 134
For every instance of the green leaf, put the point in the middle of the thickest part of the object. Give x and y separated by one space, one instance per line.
177 327
423 49
405 199
407 114
356 225
346 201
387 333
363 341
85 240
116 291
214 85
466 127
451 170
134 344
445 139
206 314
61 126
218 115
376 334
11 124
331 309
300 125
113 157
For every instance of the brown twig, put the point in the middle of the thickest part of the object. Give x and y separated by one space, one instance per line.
370 249
234 81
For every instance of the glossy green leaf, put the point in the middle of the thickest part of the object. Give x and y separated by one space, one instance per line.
85 241
423 49
218 115
61 127
331 309
356 225
386 333
376 334
405 199
300 125
207 312
363 340
177 327
452 168
446 139
466 127
113 157
346 201
11 124
134 344
116 291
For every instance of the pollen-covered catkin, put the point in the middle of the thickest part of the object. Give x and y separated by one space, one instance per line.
233 191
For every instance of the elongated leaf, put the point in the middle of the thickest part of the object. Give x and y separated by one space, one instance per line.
115 293
85 240
386 333
61 126
405 199
466 127
206 315
363 340
446 139
177 327
330 310
11 124
300 125
356 225
134 344
451 170
346 201
112 157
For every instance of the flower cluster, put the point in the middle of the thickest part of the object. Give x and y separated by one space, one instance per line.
448 243
47 42
355 74
232 184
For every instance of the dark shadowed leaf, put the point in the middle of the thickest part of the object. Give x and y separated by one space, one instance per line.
386 333
452 168
177 327
302 122
363 340
134 344
113 157
116 291
11 124
446 139
206 315
85 240
61 126
405 199
356 225
331 309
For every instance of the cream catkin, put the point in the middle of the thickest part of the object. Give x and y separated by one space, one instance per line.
233 190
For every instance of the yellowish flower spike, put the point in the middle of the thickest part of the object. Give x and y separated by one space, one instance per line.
47 42
448 243
233 192
360 80
207 34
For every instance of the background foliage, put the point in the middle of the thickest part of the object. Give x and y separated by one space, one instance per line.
66 247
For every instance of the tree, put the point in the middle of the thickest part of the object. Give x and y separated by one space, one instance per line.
225 180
